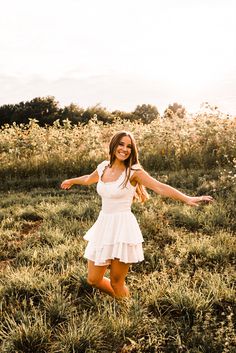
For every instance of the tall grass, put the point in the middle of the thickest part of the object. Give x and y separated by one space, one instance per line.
183 293
199 142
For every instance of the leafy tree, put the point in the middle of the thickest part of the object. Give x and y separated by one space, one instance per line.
173 110
45 110
72 112
98 112
6 111
123 115
146 113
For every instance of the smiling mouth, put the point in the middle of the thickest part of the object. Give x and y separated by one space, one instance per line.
123 154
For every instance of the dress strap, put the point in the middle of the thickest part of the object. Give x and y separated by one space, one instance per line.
134 167
101 167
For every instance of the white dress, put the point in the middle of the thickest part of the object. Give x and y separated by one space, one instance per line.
116 233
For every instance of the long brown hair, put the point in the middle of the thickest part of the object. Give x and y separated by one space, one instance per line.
141 193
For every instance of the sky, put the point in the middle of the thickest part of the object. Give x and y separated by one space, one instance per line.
119 54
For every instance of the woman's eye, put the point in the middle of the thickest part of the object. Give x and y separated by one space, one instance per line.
121 144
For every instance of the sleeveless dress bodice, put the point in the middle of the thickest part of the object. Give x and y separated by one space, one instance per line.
115 198
116 233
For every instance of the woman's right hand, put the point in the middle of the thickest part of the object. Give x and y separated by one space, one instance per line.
66 184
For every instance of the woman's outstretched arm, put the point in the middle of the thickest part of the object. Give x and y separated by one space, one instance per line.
83 180
142 177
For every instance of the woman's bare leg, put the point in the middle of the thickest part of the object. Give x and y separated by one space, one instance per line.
96 278
118 274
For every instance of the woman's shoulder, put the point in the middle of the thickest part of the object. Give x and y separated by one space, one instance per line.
103 163
101 166
136 166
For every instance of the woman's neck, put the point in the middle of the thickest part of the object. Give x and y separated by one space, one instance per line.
118 164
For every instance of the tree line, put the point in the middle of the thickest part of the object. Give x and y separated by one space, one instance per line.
46 111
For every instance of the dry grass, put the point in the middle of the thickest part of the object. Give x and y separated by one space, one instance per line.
183 293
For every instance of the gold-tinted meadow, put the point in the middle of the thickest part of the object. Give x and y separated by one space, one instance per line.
183 293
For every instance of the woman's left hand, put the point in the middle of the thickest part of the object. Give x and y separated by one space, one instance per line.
195 201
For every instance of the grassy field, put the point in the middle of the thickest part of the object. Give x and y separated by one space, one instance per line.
183 293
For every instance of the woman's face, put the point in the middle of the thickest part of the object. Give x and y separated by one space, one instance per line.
123 150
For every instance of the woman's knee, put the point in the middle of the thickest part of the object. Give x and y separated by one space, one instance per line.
95 273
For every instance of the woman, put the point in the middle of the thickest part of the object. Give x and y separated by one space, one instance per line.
115 239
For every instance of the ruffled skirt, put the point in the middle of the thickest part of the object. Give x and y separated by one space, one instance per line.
114 236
